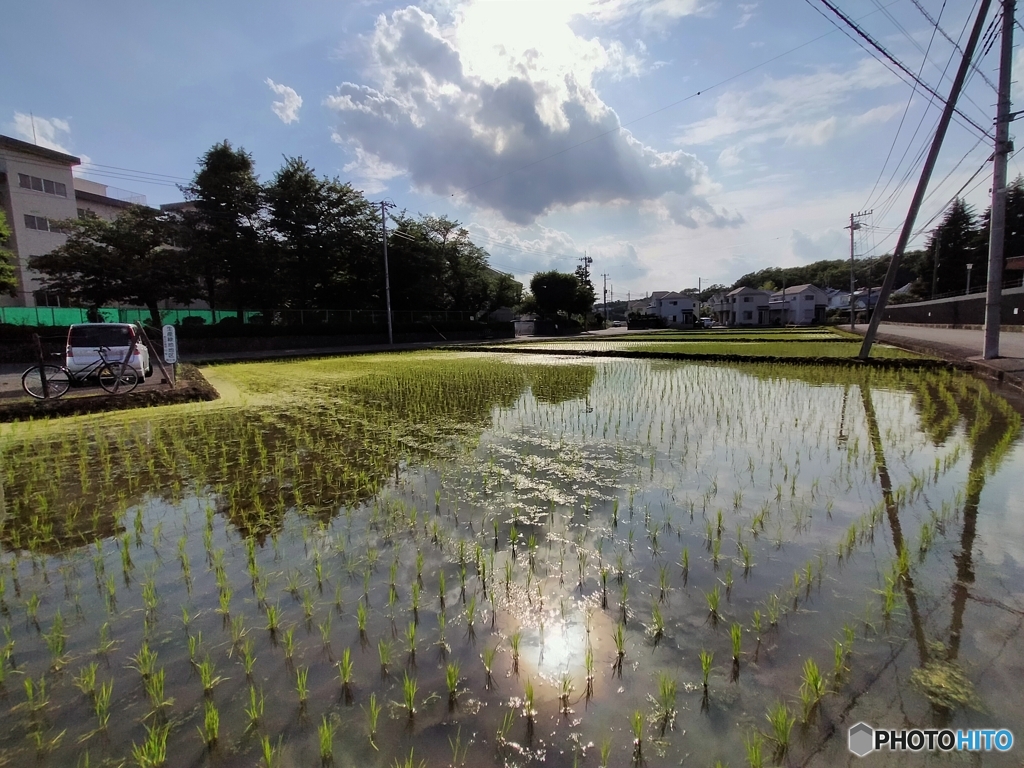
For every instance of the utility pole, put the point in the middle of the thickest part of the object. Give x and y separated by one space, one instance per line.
605 276
384 205
968 291
855 225
1004 146
926 174
586 261
935 261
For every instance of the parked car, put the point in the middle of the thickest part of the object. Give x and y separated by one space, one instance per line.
707 322
618 324
85 340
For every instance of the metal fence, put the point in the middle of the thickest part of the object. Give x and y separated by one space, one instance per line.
63 316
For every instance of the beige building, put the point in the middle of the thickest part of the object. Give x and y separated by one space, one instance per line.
37 191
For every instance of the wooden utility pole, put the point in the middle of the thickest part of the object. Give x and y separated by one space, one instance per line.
926 174
994 294
384 205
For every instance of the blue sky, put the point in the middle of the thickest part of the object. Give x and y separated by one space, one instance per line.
550 128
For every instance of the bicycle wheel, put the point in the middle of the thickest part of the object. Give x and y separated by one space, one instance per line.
57 381
109 376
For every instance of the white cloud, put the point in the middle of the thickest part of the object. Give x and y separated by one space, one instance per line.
767 111
500 110
824 245
746 14
288 108
369 172
52 133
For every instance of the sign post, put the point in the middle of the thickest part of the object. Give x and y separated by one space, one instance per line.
171 350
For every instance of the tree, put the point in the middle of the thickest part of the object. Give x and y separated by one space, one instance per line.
126 260
959 246
8 279
321 232
554 293
227 226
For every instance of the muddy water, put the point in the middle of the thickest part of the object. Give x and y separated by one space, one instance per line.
566 509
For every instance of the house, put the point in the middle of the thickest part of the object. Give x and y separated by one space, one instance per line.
747 306
675 309
718 306
798 305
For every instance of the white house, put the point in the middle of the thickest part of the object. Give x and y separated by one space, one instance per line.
747 306
798 305
675 309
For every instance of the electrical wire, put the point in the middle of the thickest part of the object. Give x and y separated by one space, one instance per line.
956 45
888 56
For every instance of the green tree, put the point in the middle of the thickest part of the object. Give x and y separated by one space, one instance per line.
554 293
227 226
959 246
323 238
126 260
8 279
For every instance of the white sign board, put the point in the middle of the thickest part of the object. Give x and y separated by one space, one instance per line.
170 345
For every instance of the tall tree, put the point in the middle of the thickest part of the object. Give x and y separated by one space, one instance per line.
8 279
227 226
959 246
126 260
554 293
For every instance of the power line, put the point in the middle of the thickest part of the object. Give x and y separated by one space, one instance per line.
676 103
91 164
956 45
895 62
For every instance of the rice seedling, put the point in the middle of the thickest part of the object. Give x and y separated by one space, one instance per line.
513 642
302 684
152 753
210 731
361 618
273 619
754 745
713 598
101 704
812 689
409 688
254 709
154 685
619 638
384 652
657 628
706 659
529 711
325 736
665 703
736 635
85 680
452 680
636 723
781 721
270 752
207 677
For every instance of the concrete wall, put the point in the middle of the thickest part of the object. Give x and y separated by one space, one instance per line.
958 310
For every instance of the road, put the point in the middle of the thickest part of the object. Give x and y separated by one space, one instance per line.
962 344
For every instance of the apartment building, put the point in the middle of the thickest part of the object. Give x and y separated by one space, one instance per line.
37 191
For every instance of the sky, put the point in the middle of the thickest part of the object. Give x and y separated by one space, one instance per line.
675 142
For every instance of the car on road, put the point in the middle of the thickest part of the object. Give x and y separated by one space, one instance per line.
618 324
707 322
86 339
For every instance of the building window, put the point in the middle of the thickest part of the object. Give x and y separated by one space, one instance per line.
808 297
748 315
83 213
42 185
42 224
746 298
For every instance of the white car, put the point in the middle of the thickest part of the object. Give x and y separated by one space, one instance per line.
86 339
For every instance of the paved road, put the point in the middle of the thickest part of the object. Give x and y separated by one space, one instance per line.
963 344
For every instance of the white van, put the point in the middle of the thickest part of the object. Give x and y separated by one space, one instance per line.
85 340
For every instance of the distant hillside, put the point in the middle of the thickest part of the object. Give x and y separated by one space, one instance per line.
831 273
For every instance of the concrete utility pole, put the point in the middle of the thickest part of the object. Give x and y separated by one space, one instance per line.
384 205
1004 146
605 276
926 174
855 225
967 292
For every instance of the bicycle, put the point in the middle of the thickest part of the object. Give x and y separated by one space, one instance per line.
52 381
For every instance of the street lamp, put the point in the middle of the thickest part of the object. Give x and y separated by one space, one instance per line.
969 268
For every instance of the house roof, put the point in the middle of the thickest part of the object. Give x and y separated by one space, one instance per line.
90 197
795 289
658 294
743 288
17 145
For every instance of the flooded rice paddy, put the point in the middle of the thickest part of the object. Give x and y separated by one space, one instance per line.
477 559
